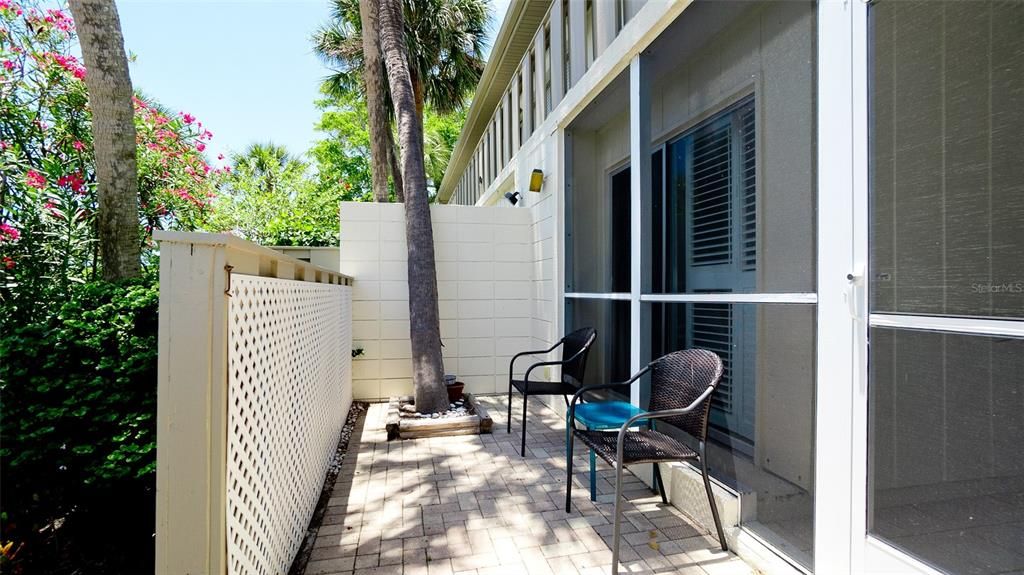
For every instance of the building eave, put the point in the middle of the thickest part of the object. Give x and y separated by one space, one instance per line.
515 37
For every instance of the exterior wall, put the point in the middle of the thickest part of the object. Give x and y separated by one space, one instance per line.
485 288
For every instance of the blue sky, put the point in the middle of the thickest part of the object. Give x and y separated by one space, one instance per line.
245 69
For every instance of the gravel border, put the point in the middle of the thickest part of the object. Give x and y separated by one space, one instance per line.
306 549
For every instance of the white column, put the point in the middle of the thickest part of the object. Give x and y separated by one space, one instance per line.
577 44
527 80
487 158
515 107
507 138
557 53
538 76
604 25
499 135
640 205
834 512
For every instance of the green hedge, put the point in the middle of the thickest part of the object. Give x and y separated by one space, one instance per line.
78 393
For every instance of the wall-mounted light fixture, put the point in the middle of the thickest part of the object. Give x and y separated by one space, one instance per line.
536 180
512 197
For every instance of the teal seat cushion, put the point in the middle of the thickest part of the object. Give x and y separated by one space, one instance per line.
606 414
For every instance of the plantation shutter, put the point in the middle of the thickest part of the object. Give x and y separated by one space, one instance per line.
722 257
711 327
711 208
748 189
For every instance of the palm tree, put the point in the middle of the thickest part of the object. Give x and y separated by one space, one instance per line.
424 322
265 164
259 193
445 39
373 81
113 128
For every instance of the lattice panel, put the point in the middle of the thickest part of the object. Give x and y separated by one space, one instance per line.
289 348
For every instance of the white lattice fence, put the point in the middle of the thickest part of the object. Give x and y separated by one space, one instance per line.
289 346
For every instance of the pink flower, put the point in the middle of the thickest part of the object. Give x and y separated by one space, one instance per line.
200 146
189 118
35 179
219 156
8 262
8 65
8 233
70 63
207 135
60 20
78 145
4 145
73 180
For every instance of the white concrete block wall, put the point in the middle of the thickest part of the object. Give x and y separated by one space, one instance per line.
486 290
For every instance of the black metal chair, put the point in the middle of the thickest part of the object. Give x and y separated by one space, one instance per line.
681 386
575 349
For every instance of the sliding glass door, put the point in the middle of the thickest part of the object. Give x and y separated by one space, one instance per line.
945 388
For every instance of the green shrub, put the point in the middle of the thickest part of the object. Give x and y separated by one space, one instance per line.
78 392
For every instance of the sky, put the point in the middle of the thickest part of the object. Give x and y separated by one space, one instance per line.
246 69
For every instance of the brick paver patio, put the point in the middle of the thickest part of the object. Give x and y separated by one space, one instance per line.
471 505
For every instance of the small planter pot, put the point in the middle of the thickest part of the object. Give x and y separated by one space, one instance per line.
455 391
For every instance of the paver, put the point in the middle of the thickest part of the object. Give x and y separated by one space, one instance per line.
470 505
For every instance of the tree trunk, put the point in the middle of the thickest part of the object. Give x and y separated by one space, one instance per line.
396 169
373 78
419 93
113 130
424 325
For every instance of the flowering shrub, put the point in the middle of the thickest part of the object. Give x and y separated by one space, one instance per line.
78 367
79 430
47 177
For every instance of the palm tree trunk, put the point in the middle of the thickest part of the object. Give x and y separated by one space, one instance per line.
113 129
396 169
419 92
373 78
424 323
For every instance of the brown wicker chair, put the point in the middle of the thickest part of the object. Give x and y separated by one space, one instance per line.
681 386
575 349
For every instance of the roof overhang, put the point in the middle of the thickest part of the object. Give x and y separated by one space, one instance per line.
515 37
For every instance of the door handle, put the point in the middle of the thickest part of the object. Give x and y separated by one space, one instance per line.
854 293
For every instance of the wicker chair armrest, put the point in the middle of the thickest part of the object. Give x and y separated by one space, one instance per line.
620 440
586 389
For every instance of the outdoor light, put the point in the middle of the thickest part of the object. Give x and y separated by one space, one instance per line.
536 180
512 197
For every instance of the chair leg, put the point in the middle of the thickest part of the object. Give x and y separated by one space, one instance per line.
508 419
593 475
660 483
522 447
570 440
617 523
711 498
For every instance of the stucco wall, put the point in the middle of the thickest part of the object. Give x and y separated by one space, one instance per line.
485 291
